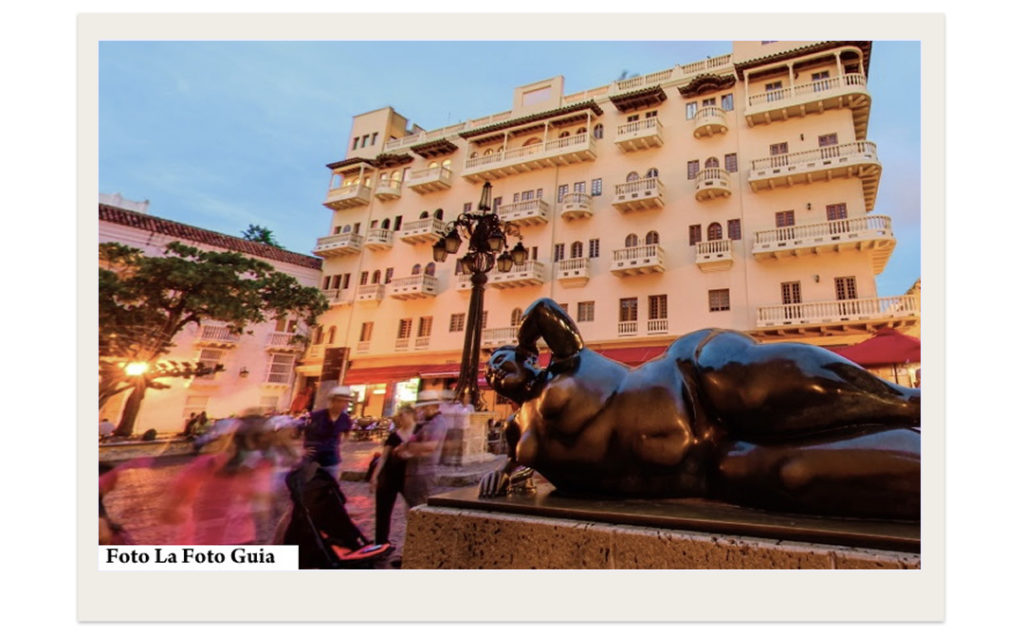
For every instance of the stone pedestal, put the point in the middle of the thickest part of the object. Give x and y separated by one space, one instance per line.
455 537
466 441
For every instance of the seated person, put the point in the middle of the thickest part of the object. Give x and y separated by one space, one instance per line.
784 426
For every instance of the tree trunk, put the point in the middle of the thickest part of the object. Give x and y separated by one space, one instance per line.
131 410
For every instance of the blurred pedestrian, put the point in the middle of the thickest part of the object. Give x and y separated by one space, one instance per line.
327 430
422 452
388 477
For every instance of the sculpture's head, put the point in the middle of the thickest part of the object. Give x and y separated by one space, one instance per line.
512 372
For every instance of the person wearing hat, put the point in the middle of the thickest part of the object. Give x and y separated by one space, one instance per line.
327 429
422 452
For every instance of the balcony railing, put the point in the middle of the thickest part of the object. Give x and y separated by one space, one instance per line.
380 238
337 245
628 328
657 326
347 196
283 340
639 195
639 135
339 296
388 189
714 255
417 286
422 342
837 312
574 272
870 232
712 64
429 180
575 206
422 230
558 152
527 273
849 90
217 336
402 344
857 160
713 182
499 336
422 137
370 292
363 346
525 213
645 259
708 121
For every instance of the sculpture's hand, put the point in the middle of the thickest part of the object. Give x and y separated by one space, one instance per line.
494 484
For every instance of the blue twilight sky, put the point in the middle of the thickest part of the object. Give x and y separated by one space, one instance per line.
224 134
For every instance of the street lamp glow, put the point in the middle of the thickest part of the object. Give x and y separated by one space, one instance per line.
135 368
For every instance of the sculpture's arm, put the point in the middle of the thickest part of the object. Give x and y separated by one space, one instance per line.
497 483
545 319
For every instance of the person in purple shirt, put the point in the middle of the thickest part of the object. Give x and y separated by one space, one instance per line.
327 429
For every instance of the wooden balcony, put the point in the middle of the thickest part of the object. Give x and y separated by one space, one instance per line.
639 135
430 180
850 160
347 197
869 233
339 296
283 341
573 272
575 206
370 292
525 213
638 260
380 239
714 255
528 273
709 121
422 231
218 336
388 190
713 183
847 91
338 245
412 287
498 336
558 152
837 317
639 195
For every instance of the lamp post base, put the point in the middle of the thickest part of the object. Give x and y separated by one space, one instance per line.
466 441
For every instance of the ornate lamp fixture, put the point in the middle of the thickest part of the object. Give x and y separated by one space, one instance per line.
488 239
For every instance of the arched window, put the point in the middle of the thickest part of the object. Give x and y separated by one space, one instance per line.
439 214
383 176
631 240
651 238
424 214
714 231
633 176
416 269
599 131
429 270
532 141
474 155
318 335
386 224
711 163
517 317
652 173
564 134
373 224
447 164
581 130
347 229
330 334
396 176
488 152
576 250
376 277
432 165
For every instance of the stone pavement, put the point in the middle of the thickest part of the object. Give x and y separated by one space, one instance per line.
135 502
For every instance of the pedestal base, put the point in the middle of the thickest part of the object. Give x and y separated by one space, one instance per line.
466 441
499 534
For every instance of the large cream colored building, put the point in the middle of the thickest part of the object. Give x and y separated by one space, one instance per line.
258 366
735 192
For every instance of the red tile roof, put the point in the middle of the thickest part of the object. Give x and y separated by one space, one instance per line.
178 230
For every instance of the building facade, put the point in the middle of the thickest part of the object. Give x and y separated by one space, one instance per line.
735 192
259 367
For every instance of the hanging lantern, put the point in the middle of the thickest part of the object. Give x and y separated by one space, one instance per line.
485 197
440 252
519 254
504 262
496 241
452 241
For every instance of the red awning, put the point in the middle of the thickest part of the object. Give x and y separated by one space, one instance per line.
887 346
